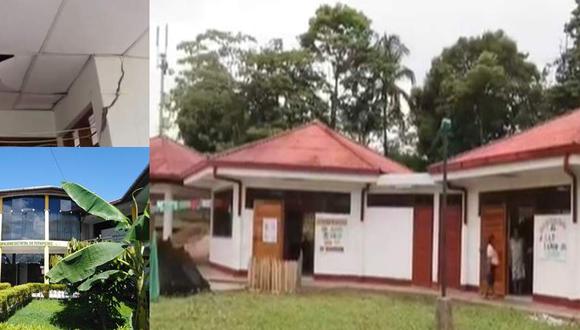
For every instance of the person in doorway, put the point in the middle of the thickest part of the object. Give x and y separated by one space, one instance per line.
492 261
518 268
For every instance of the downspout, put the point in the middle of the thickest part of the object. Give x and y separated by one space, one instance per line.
236 181
572 175
363 194
463 190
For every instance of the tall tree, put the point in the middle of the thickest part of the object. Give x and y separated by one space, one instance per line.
281 88
336 35
485 85
390 72
210 108
565 95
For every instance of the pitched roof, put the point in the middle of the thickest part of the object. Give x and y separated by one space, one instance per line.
555 137
170 160
311 147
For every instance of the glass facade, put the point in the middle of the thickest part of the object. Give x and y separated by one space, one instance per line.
64 223
22 268
23 218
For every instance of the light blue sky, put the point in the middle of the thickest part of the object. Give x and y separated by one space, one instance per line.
107 171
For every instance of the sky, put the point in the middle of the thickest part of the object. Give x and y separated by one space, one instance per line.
109 172
425 26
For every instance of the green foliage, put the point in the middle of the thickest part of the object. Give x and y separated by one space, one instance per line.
485 85
4 286
107 274
14 298
565 95
339 36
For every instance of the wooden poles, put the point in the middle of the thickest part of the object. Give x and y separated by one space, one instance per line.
273 275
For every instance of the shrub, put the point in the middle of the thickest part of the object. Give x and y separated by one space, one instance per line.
5 285
14 298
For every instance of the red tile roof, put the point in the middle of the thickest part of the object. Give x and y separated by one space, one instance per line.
170 160
555 137
311 147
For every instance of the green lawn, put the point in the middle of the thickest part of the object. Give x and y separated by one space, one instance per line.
326 310
48 314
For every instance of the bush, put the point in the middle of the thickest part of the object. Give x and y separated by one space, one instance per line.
14 298
4 285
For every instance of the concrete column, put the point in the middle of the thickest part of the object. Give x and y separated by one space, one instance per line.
46 219
46 262
167 215
59 141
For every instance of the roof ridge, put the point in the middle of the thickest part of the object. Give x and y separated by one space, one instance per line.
508 137
260 141
334 134
182 145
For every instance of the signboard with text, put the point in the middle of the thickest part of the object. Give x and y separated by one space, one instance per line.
333 233
551 237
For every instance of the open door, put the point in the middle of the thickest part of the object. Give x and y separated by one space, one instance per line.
422 245
493 222
268 238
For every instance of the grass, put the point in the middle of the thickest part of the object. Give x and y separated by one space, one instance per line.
41 315
327 310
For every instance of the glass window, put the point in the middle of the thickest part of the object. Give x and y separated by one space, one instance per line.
64 222
222 213
23 218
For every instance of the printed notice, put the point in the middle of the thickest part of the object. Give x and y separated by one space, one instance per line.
269 230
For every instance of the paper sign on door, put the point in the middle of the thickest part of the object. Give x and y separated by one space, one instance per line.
269 230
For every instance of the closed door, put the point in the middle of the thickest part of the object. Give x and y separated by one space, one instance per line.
422 245
493 222
453 245
268 236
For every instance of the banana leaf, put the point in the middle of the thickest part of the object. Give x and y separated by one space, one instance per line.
140 229
88 283
83 263
94 204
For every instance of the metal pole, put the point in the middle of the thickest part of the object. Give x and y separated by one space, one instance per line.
443 223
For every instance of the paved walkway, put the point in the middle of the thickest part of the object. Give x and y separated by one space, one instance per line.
221 281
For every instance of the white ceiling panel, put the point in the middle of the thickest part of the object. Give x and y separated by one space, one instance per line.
54 73
25 24
37 102
7 101
98 27
12 73
141 47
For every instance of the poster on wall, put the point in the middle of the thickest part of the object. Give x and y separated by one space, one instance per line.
333 234
270 230
551 237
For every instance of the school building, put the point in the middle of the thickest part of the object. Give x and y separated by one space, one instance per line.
355 215
38 222
74 73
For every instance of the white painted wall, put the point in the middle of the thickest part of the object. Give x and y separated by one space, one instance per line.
96 86
388 243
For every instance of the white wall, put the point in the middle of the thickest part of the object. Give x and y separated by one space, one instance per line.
388 243
470 257
225 251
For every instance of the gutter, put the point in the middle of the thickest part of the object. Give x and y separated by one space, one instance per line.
572 175
233 180
463 190
363 195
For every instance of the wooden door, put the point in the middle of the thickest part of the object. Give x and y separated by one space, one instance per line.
493 222
268 237
453 245
422 245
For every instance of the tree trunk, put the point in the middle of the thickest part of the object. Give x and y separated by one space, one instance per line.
334 102
385 138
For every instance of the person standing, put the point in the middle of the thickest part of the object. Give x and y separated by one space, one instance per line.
492 261
518 268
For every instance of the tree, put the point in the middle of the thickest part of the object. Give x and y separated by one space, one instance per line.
485 85
207 98
389 72
336 35
281 88
87 268
565 95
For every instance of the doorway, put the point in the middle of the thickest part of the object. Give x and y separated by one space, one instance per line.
22 268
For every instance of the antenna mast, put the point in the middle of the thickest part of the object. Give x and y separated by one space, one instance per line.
163 66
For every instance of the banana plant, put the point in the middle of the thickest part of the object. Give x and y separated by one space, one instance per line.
82 266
